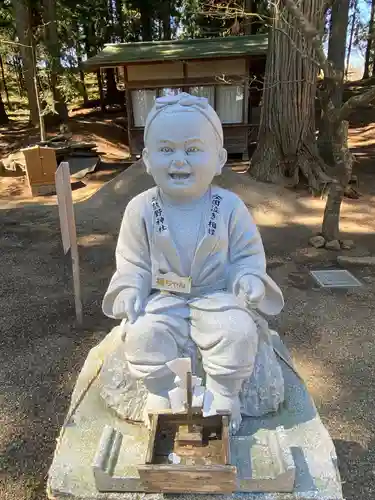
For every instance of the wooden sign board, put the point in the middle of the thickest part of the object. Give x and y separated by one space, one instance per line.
40 169
68 229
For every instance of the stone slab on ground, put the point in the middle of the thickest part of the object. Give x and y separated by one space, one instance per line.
71 475
356 261
81 166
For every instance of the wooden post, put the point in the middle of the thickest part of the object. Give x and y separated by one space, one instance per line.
185 87
68 230
245 109
189 398
129 109
100 86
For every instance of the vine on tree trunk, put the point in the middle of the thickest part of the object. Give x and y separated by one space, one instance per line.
337 118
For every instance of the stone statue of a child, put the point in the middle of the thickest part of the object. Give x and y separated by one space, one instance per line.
190 264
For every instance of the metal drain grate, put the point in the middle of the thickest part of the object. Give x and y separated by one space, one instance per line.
335 278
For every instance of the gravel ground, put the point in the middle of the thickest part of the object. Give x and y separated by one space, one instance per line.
329 333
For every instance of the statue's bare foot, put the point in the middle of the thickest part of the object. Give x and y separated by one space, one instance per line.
215 402
154 404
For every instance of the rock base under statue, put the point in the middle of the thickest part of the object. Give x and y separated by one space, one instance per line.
262 393
71 474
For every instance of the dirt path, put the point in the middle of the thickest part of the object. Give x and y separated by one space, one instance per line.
106 131
41 349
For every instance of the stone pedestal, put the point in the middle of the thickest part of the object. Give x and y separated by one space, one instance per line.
71 474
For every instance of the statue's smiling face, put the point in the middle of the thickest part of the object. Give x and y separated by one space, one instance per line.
182 153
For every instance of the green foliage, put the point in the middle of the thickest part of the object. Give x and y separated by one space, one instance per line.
190 18
83 28
211 18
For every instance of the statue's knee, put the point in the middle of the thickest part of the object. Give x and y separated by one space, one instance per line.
240 329
138 334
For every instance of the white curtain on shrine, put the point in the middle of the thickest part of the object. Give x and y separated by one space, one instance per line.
230 103
169 91
203 91
142 101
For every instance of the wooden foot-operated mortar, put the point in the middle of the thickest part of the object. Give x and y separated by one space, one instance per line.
186 453
189 453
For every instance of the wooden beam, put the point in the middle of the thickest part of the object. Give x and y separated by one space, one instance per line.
225 125
129 109
175 478
181 82
152 439
215 97
225 440
163 61
246 115
185 88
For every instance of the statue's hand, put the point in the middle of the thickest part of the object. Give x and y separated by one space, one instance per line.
253 289
127 304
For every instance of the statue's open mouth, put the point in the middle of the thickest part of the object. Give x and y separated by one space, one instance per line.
180 176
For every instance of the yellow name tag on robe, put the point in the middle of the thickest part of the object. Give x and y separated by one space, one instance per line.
170 282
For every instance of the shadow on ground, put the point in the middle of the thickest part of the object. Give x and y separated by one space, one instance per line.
356 465
42 349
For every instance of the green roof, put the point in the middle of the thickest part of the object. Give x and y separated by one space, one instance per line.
199 48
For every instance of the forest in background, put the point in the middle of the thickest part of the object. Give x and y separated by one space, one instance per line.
43 43
57 35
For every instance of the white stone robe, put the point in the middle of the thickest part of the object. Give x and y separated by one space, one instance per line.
214 313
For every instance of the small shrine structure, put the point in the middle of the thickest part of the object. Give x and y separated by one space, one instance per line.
227 70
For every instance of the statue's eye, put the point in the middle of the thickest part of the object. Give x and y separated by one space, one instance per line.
192 149
166 149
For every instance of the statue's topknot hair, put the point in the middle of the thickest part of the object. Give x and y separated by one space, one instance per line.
185 100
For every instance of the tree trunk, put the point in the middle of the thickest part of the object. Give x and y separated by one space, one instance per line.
18 71
166 19
286 141
248 8
336 55
42 127
343 162
87 40
111 25
23 28
5 83
52 43
83 84
160 34
120 21
78 48
370 36
146 21
351 36
337 44
342 157
3 114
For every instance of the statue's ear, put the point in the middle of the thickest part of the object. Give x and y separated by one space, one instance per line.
146 160
222 159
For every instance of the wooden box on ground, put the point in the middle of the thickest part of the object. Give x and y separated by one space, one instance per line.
200 467
40 170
